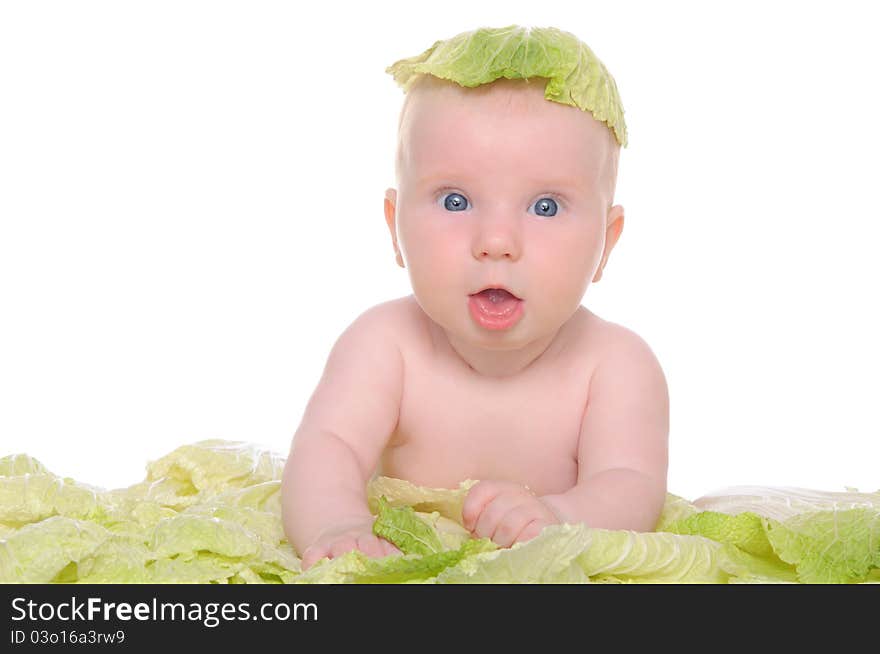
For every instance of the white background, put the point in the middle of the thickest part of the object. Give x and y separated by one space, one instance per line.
191 212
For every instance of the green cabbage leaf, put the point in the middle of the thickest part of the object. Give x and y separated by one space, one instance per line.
210 512
575 75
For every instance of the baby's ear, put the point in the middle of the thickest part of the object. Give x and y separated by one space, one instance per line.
391 221
613 228
390 196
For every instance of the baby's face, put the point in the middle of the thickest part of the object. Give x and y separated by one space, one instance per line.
500 187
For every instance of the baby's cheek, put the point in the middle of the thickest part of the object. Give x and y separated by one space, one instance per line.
564 280
431 260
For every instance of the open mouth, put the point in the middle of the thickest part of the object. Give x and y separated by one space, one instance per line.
495 308
497 295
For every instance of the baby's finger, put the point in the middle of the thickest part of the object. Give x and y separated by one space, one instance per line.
485 493
511 524
531 530
312 555
476 500
370 545
493 514
342 546
388 548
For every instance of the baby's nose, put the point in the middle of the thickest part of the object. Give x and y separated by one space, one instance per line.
500 251
497 242
496 254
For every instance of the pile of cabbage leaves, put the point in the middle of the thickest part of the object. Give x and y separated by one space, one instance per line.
210 512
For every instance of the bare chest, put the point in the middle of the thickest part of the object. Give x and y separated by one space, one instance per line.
454 426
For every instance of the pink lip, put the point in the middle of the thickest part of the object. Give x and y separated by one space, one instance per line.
495 322
501 286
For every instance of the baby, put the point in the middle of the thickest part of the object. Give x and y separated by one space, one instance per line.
491 370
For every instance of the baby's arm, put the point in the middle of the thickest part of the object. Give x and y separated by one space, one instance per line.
346 425
622 458
623 447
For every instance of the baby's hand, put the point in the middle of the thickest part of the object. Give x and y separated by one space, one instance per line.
507 513
339 539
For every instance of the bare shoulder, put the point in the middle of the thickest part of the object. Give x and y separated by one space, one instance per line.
625 360
375 335
393 321
613 344
624 339
366 358
399 315
408 319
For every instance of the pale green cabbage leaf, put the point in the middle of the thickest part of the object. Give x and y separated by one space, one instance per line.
210 512
575 75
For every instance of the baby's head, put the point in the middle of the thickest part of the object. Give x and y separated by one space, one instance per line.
506 166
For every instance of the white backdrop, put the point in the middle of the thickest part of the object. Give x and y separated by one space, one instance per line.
191 212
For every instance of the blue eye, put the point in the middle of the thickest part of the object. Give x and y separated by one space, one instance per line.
454 202
546 205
